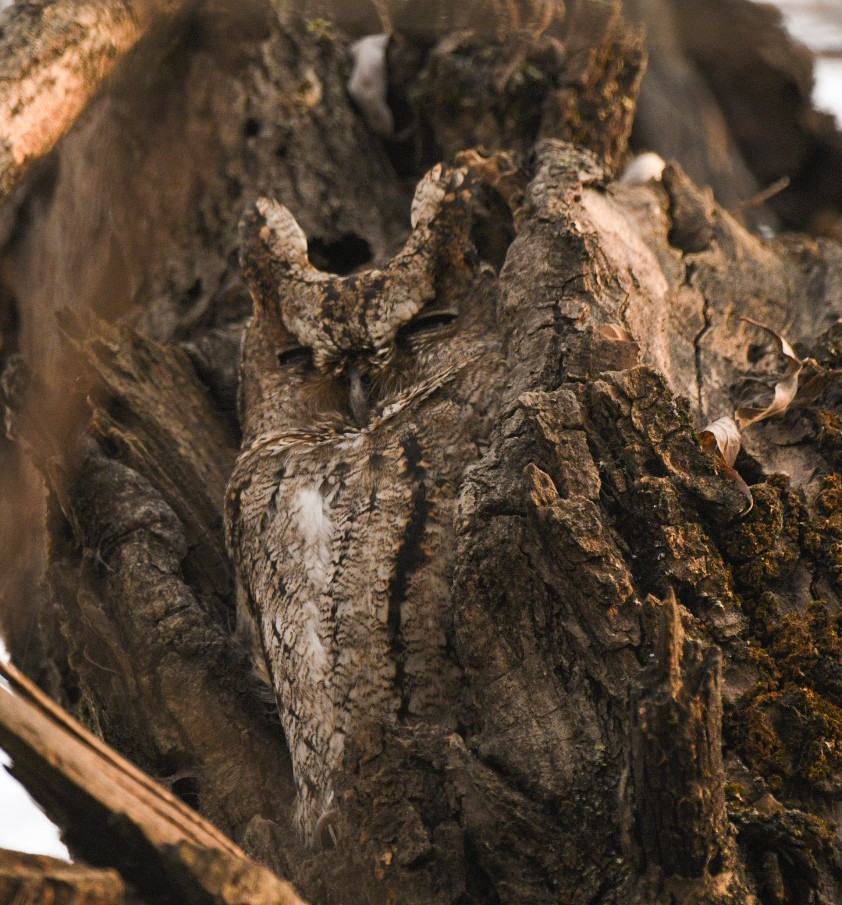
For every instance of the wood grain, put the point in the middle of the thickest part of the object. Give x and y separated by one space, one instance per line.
121 816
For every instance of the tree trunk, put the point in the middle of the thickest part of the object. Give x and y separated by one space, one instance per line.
646 628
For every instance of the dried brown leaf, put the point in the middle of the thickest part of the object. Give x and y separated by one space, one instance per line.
615 333
819 380
726 436
722 440
790 389
786 388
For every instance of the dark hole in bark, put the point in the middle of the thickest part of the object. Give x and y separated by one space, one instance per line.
656 468
341 255
251 127
176 771
755 352
716 864
187 789
493 229
750 469
194 291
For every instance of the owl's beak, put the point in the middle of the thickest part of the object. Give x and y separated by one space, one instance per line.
360 407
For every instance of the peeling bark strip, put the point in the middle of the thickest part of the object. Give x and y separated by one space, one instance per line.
155 840
54 55
39 880
677 750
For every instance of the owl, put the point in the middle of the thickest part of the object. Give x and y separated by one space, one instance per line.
363 400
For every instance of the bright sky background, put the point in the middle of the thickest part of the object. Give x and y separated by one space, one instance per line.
23 826
818 23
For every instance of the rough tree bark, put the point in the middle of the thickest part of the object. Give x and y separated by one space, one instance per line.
653 668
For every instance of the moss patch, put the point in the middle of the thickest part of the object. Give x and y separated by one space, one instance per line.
822 534
789 727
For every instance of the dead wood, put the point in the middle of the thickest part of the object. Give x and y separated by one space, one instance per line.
43 881
54 57
115 815
652 670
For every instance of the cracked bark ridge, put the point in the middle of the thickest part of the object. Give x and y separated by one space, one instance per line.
649 516
142 596
578 81
677 750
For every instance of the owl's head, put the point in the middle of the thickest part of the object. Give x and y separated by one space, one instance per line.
339 318
352 332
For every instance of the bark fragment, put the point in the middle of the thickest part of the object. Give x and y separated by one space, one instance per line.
153 838
40 880
677 750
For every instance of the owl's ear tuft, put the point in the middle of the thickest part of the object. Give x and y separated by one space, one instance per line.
428 197
269 227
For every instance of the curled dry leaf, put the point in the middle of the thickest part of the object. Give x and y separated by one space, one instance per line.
722 440
615 332
727 437
791 389
785 389
818 381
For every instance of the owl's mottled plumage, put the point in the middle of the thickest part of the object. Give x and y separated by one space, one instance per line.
364 398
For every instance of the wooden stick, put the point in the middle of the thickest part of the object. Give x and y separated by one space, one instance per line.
38 879
54 55
128 820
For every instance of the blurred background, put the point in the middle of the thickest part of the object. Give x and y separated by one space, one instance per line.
816 23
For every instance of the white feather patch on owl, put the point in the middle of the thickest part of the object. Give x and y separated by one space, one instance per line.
310 513
313 647
369 82
282 234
